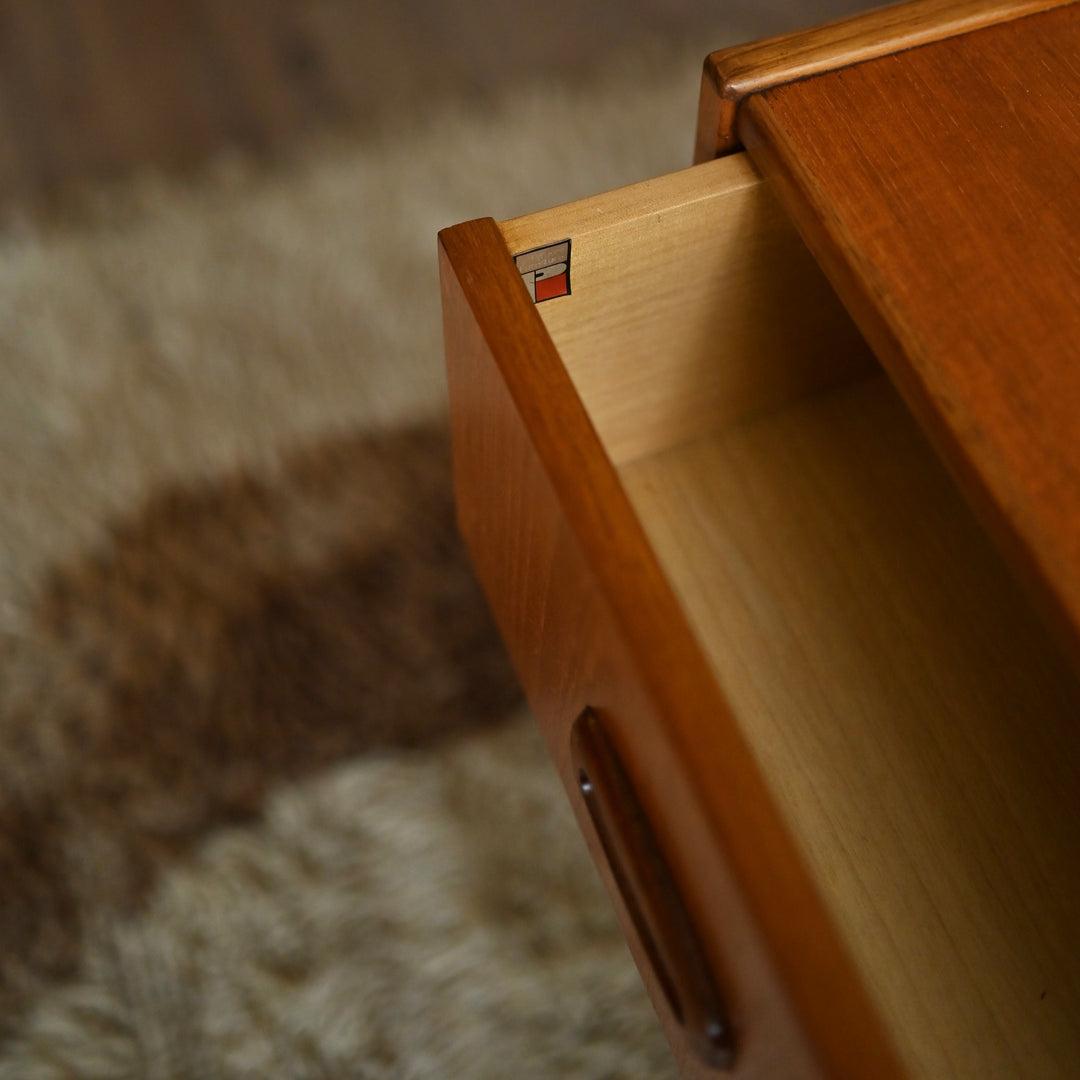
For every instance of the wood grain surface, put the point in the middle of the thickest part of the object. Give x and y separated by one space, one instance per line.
875 651
692 292
732 74
946 211
913 720
590 619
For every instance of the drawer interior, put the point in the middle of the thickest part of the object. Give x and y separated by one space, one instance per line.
915 722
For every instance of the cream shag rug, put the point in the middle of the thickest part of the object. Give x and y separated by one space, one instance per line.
269 805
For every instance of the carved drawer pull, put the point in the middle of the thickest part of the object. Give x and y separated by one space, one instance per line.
649 894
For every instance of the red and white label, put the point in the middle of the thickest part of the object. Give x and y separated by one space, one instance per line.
546 270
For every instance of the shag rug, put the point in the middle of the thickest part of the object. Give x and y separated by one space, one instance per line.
270 804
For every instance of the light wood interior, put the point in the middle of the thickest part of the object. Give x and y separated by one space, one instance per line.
915 722
675 283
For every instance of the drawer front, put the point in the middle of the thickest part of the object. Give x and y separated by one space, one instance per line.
572 654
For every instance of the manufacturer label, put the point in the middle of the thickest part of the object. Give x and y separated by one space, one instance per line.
546 270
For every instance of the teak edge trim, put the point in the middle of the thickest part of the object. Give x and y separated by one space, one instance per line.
828 996
732 74
894 342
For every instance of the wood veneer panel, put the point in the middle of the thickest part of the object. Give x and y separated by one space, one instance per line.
692 293
590 619
732 74
913 720
941 193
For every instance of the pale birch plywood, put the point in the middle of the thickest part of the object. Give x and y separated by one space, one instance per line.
915 723
691 292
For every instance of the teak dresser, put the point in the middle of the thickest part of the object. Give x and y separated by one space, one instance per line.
771 471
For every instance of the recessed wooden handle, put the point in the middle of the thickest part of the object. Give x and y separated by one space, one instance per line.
650 895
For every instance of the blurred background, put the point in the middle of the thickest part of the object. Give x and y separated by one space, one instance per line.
92 88
270 804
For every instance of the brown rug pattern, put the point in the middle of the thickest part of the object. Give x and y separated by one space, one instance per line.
269 805
228 638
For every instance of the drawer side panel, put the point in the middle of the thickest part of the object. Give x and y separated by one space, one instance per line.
523 490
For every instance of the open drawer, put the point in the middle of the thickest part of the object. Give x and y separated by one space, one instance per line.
706 521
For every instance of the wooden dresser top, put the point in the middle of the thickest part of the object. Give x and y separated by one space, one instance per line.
940 189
